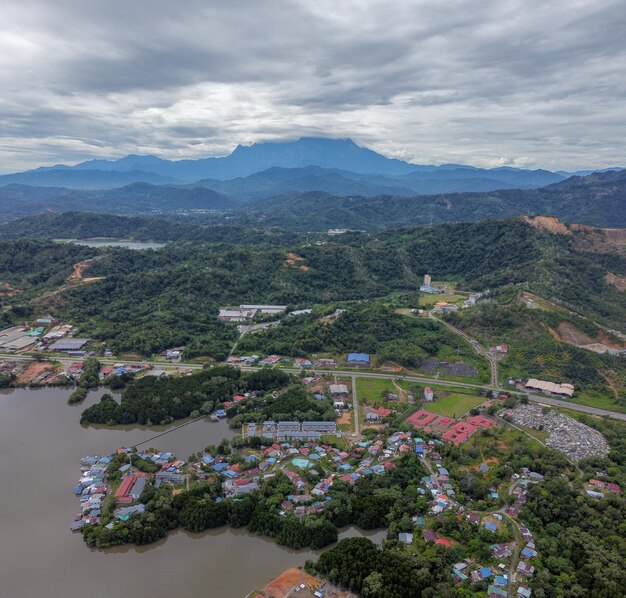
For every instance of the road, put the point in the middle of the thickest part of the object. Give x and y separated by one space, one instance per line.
351 373
575 407
493 362
355 408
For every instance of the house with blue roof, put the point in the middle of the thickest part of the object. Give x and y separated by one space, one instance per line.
492 527
485 572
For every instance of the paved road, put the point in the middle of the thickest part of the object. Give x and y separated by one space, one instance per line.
355 408
194 366
575 407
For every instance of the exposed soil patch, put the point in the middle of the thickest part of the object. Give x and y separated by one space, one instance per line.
79 270
287 581
34 369
7 290
548 223
344 418
296 261
619 282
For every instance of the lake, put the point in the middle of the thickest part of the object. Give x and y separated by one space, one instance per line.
128 244
41 443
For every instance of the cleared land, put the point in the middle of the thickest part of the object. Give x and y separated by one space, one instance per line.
426 300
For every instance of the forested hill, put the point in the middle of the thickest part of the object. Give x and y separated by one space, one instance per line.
89 225
149 300
598 199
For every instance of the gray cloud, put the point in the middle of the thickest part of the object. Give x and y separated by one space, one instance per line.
533 84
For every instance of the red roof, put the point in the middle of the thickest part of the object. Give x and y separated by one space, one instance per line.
443 423
422 418
444 542
382 411
481 421
460 433
125 486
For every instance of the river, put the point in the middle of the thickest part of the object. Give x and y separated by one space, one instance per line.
41 443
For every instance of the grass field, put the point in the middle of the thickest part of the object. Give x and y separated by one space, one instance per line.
371 389
454 404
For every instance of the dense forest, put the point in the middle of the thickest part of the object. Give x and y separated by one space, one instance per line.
151 400
147 301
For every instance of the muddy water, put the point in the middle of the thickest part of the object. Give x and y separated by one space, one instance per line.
41 443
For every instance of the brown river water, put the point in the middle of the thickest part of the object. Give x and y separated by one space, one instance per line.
41 444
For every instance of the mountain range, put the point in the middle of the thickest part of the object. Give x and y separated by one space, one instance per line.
598 199
337 166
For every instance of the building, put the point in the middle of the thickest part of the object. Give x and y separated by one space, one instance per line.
69 344
550 388
429 395
266 309
358 360
294 430
444 307
338 391
235 315
427 279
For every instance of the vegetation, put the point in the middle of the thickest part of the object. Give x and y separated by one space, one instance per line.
151 400
89 379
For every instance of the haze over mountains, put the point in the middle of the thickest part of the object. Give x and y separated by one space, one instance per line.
310 163
313 184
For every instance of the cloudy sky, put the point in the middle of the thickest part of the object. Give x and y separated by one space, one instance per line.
526 83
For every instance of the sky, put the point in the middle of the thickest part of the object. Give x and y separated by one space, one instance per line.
521 83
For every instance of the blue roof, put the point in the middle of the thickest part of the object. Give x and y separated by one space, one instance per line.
491 526
358 357
485 572
501 580
220 466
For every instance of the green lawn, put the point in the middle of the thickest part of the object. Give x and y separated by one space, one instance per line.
454 405
426 300
371 389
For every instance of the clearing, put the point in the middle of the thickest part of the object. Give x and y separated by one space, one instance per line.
296 261
284 584
7 290
370 390
34 369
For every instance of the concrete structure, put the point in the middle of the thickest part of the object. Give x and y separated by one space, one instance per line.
266 309
235 315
